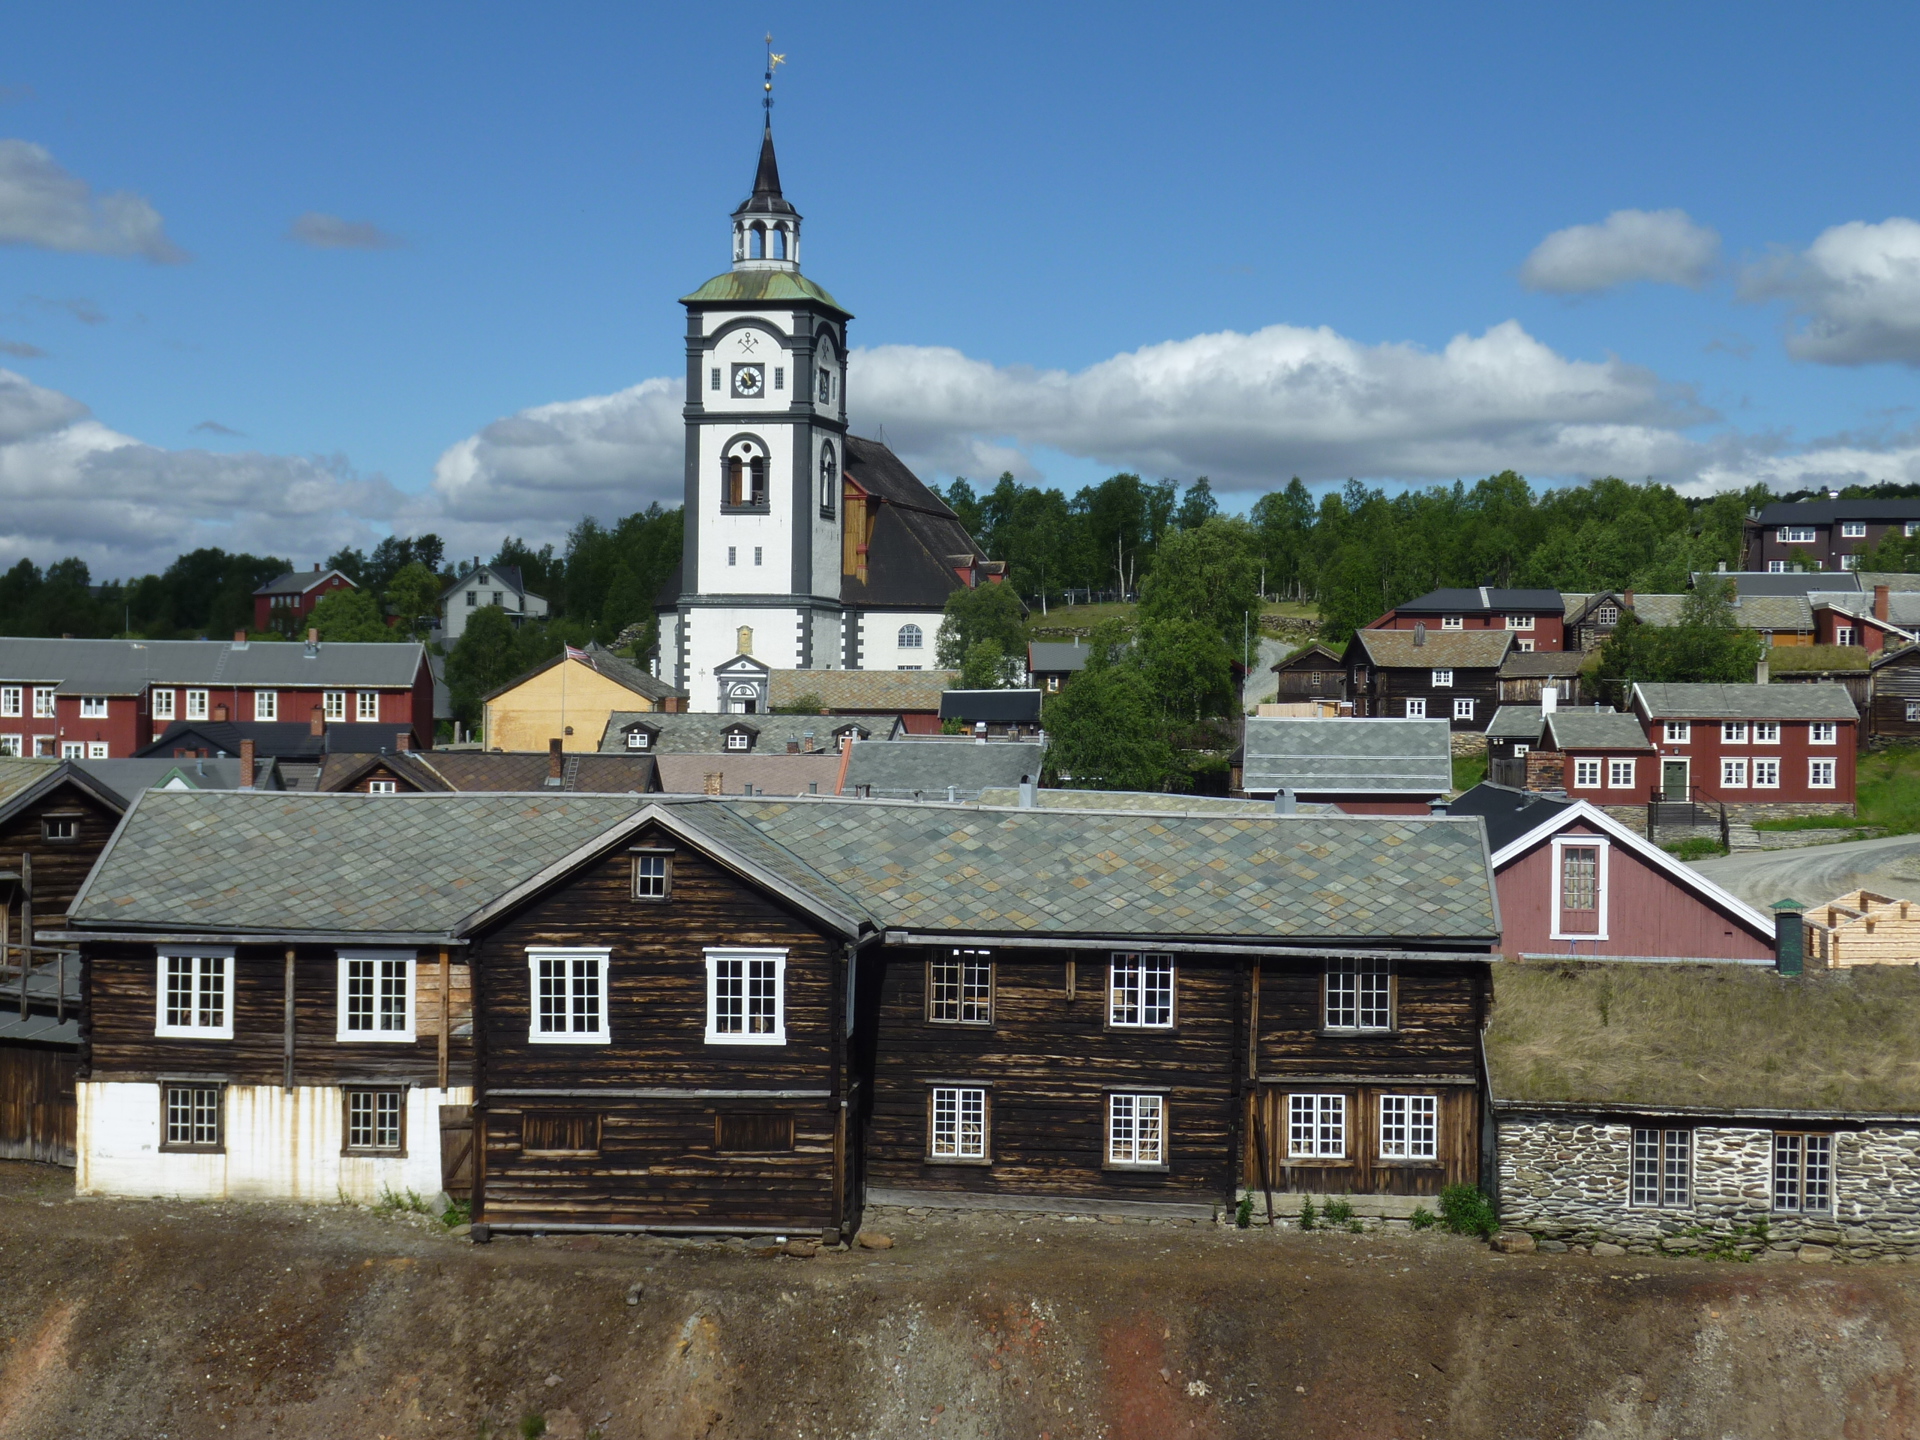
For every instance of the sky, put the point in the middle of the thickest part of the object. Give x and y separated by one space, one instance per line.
282 279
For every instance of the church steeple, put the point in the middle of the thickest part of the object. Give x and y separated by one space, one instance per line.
766 228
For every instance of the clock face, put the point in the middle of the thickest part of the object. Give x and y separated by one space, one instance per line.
826 387
748 381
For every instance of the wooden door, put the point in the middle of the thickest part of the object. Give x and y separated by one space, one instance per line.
456 1151
1673 780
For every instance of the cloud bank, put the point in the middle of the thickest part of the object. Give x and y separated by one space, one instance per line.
1662 246
42 205
330 232
1855 293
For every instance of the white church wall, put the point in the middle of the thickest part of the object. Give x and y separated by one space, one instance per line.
713 635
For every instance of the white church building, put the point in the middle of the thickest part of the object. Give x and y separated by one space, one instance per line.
806 548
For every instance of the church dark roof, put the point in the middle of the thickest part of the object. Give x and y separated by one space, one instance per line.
766 198
918 545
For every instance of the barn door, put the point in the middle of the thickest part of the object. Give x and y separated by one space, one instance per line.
456 1151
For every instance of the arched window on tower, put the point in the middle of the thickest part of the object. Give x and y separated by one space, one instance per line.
743 476
757 242
829 478
911 637
779 242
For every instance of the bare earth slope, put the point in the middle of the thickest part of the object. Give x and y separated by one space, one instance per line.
161 1319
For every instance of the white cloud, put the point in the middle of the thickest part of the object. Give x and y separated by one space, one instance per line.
1664 246
41 204
330 232
1856 290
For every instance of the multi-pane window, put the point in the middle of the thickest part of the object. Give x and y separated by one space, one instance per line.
1519 622
1359 995
333 704
73 750
1140 991
1797 535
1317 1126
652 876
738 740
1843 634
1443 677
1586 774
1822 732
1733 733
569 996
1609 615
1580 877
1620 774
1913 711
93 707
43 702
1451 622
1662 1167
196 994
369 705
373 1119
192 1114
266 704
11 698
376 996
196 704
1733 773
1820 774
1136 1130
960 988
912 637
1803 1173
10 745
1416 709
382 787
162 704
958 1128
746 1001
1853 529
638 740
1766 732
1766 774
1463 709
1409 1127
1678 732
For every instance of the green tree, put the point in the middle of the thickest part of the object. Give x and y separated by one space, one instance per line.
351 615
986 612
628 603
1707 646
1209 574
1104 729
413 596
1187 666
986 667
487 655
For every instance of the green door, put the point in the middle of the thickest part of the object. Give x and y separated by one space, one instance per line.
1673 779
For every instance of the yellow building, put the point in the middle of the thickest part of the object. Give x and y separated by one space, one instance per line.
570 698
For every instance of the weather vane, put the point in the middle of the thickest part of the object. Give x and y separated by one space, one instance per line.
772 60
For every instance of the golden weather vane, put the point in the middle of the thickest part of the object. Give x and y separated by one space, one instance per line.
772 61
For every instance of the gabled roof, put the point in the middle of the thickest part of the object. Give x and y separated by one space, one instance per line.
1515 722
299 582
282 739
705 734
996 707
1509 812
1825 512
1141 801
1051 657
845 692
508 577
1332 658
54 778
132 775
1784 582
1751 612
1744 702
602 662
1903 607
1704 1039
1541 664
1439 649
1390 758
488 770
127 667
926 767
1593 730
1485 599
918 543
18 772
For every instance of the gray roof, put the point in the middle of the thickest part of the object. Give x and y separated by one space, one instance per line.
867 691
1486 598
996 707
706 734
1752 612
603 662
1825 512
1593 730
1149 801
298 582
129 777
1387 757
1441 649
1744 702
1515 722
127 667
1779 582
1903 606
775 774
1541 664
1053 657
232 862
925 768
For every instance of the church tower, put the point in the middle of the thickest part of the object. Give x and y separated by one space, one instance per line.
766 446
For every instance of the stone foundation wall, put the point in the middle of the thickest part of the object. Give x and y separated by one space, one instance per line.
1785 809
1467 742
1565 1179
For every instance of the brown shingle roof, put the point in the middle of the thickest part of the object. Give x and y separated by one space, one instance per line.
1442 649
887 692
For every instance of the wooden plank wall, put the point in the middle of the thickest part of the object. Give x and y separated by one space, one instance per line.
37 1111
657 1163
58 869
1364 1171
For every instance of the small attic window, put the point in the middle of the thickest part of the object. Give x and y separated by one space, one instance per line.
739 740
60 829
639 740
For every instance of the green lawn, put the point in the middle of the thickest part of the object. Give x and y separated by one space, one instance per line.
1887 792
1468 771
1063 619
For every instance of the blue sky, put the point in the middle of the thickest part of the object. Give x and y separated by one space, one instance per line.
1243 241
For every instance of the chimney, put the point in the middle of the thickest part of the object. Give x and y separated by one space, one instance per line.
313 637
1026 792
1789 936
1761 674
979 732
556 762
1880 602
220 713
246 764
1546 770
403 741
1420 632
1626 597
1721 567
793 747
714 782
1283 803
239 637
317 723
1549 700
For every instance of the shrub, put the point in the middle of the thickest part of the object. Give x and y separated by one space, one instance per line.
1243 1213
533 1426
393 1201
1422 1218
1340 1213
1465 1211
1695 847
458 1212
1307 1216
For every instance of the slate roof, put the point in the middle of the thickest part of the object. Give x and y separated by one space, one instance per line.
768 774
1441 649
1593 730
706 734
1385 757
1744 702
925 768
996 707
1144 801
131 776
1903 606
29 788
489 770
1752 612
17 773
863 692
298 582
283 739
1052 657
1484 599
1515 722
917 540
127 667
1825 512
1789 582
602 662
1509 813
1541 664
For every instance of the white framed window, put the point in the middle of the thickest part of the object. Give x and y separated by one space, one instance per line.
957 1123
1797 535
43 702
1663 1167
73 750
473 599
1409 1127
1586 774
1853 529
1823 732
1803 1174
1766 732
638 739
1137 1130
11 698
1579 888
10 745
1733 774
1609 615
1843 634
1519 622
1317 1127
1678 732
1820 774
1909 529
374 1119
96 750
746 996
191 1117
1416 709
1463 709
1443 677
1523 645
196 704
1620 774
1140 992
1451 622
1733 732
93 707
373 996
382 787
1776 567
333 705
194 993
569 995
653 875
1520 752
266 704
1766 774
1359 995
911 637
1913 712
368 706
960 988
163 704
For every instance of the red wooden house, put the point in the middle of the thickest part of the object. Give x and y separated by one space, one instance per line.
1763 746
1535 617
284 603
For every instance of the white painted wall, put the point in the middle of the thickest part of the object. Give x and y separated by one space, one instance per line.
713 639
880 640
279 1146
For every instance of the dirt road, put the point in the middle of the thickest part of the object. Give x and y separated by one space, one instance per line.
1816 873
161 1319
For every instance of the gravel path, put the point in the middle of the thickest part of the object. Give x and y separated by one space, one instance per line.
1890 865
